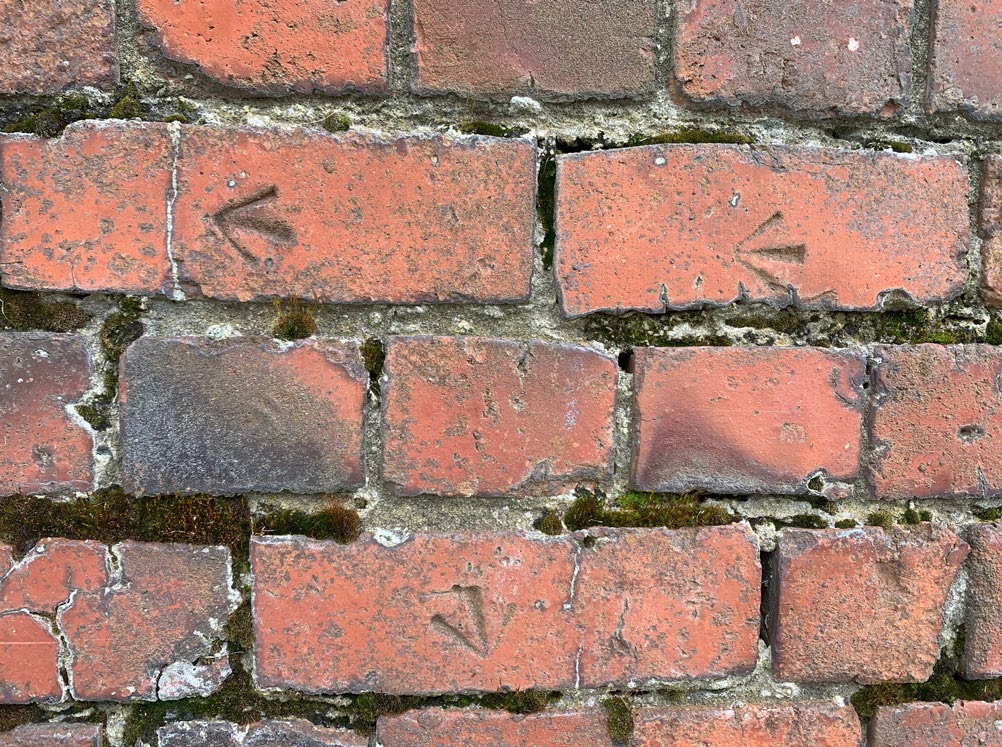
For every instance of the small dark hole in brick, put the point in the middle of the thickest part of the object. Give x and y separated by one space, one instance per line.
969 433
625 360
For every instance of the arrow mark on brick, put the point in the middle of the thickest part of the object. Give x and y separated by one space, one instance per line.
255 214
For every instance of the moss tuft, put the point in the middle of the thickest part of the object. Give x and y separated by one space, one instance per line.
993 331
334 522
845 524
129 104
337 122
479 127
802 521
546 206
620 716
942 687
239 629
52 120
549 523
690 135
374 356
180 118
519 701
644 510
990 514
911 516
586 511
24 310
18 715
295 321
880 519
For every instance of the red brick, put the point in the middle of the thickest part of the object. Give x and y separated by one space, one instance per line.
746 420
169 606
990 225
965 65
861 605
279 733
449 613
806 56
53 735
244 414
435 727
982 657
937 427
475 416
87 211
51 572
44 450
796 725
680 226
964 724
353 219
306 46
491 49
47 46
29 660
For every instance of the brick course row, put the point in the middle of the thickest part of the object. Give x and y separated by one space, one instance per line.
808 58
248 214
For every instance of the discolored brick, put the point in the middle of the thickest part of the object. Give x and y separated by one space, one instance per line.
53 735
809 724
804 56
87 211
29 660
44 449
937 425
963 724
170 605
990 228
271 214
861 605
305 46
684 226
278 733
51 572
965 63
982 657
747 420
47 46
243 414
445 613
476 416
553 50
436 727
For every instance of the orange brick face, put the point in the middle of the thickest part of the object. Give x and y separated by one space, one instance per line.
304 46
675 227
966 63
982 657
442 728
970 723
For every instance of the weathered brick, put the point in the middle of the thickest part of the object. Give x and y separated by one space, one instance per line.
964 724
806 56
448 613
937 427
861 605
475 416
965 65
278 733
243 414
47 46
29 660
491 49
746 420
820 724
44 450
265 214
53 735
87 211
982 658
51 572
990 225
680 226
307 46
169 606
435 727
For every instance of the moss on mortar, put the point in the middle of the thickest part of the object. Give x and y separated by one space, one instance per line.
480 127
673 511
25 311
549 523
690 135
336 122
335 521
620 716
546 192
295 320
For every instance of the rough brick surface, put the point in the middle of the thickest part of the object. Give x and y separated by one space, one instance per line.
448 613
264 214
982 657
241 415
491 49
964 724
965 71
682 226
806 56
170 606
746 420
279 733
937 429
305 46
47 46
44 450
798 725
29 660
53 735
990 225
87 211
441 728
861 605
475 416
51 571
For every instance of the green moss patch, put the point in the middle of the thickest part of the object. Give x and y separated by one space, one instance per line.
26 311
549 523
335 521
620 716
546 196
673 511
337 122
480 127
691 135
295 320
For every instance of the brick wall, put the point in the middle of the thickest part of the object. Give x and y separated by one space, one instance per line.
500 373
